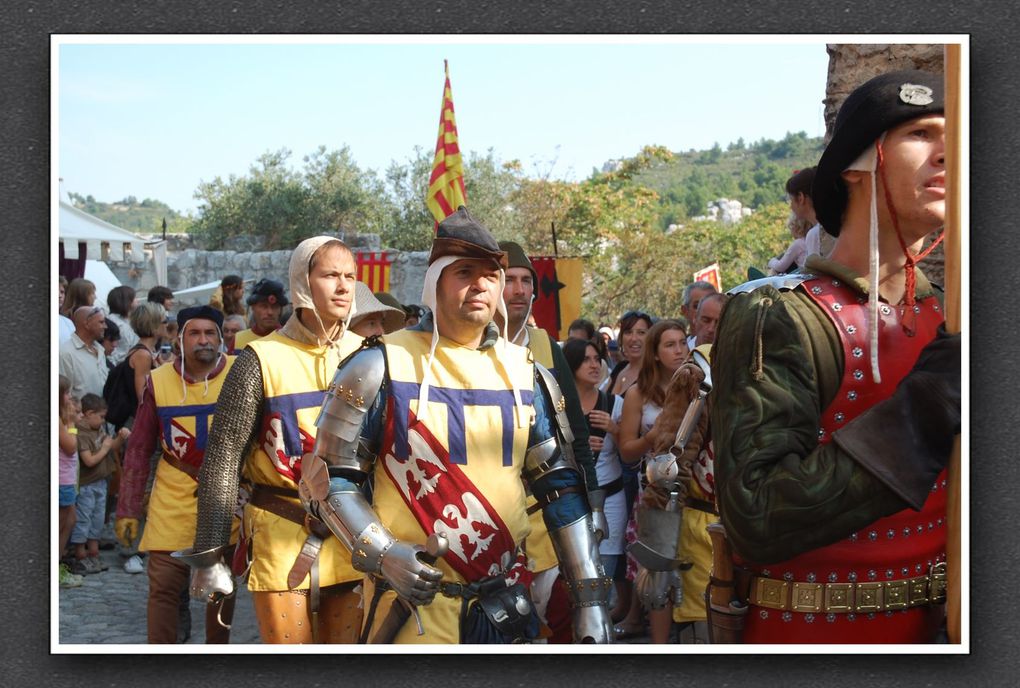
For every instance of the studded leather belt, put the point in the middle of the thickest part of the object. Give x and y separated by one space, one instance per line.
844 598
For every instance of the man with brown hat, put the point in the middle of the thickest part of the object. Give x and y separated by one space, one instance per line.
519 295
303 587
446 419
840 394
377 313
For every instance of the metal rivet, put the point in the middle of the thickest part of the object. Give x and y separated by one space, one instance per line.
890 533
851 329
816 290
839 417
857 352
830 617
833 577
811 577
809 618
787 616
851 395
837 307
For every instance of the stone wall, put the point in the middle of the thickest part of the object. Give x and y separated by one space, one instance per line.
188 266
850 65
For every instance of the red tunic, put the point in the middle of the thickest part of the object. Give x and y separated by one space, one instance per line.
901 546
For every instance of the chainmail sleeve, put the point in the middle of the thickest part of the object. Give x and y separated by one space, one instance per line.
234 426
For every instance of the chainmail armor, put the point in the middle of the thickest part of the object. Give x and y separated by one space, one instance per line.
234 428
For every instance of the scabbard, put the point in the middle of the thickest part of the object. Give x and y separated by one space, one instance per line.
725 610
397 615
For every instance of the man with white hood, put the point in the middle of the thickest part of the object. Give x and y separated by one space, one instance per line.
839 391
445 419
302 583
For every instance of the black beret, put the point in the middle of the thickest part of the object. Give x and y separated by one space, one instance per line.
268 290
462 236
876 106
203 312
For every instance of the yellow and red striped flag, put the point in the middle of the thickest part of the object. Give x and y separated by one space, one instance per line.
446 185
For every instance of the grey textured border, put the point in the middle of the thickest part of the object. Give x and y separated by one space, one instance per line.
24 52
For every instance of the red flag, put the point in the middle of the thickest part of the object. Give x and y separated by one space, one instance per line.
446 185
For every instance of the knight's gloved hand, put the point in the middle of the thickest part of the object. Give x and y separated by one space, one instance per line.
126 530
209 583
410 578
592 625
936 376
653 587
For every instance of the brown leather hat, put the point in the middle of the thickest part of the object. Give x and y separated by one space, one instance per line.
462 236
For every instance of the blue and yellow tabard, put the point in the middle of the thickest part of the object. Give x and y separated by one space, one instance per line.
185 413
294 377
539 545
459 464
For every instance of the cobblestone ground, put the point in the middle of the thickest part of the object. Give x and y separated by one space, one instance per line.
109 608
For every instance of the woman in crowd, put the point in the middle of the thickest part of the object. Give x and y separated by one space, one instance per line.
602 411
121 301
80 292
665 349
147 321
634 326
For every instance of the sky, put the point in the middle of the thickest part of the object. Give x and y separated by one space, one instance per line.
152 117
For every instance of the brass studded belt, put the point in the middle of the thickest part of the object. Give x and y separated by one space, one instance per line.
845 598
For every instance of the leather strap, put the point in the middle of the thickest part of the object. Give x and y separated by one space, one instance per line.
181 466
613 486
266 497
552 496
700 505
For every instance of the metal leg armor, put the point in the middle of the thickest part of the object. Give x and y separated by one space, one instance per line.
577 549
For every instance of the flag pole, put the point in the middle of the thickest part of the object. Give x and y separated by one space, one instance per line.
953 232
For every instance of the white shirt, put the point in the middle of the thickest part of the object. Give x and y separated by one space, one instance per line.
84 366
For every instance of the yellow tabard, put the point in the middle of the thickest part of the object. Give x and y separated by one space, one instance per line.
246 337
695 546
294 378
184 427
539 545
471 418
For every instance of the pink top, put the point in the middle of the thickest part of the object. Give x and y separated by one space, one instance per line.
68 464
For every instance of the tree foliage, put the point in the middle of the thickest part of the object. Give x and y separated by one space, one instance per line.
631 225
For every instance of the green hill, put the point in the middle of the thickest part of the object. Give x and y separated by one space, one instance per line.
753 174
145 217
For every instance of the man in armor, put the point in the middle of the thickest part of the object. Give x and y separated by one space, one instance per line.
547 589
176 410
444 419
303 586
839 393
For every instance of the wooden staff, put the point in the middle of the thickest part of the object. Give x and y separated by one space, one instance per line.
953 231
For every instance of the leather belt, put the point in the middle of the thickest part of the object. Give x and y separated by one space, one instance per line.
272 499
181 466
700 505
613 486
845 598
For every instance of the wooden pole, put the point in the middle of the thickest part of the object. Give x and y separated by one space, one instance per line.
953 232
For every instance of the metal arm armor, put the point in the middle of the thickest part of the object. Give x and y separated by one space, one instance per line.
348 398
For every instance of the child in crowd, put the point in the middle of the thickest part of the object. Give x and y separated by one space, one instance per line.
96 452
67 471
796 253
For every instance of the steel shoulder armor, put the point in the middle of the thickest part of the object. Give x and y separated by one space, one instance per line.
352 392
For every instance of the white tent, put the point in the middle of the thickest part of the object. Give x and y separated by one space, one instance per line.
196 295
99 273
75 226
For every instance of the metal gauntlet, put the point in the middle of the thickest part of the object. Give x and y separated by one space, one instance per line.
587 584
210 576
373 548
